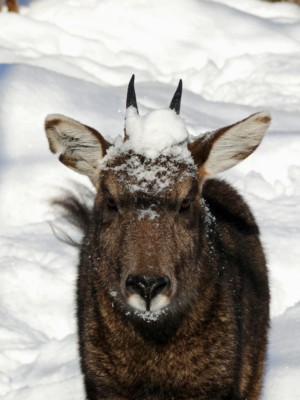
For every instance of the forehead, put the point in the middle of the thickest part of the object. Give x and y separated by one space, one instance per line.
137 174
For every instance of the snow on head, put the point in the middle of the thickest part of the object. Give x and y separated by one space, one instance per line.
154 154
151 134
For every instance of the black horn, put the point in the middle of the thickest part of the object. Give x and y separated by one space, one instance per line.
131 98
175 103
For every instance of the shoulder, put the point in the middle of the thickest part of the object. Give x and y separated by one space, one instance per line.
228 206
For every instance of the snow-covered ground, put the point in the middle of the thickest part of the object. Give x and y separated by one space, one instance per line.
75 57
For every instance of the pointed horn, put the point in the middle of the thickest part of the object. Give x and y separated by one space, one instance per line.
175 103
131 98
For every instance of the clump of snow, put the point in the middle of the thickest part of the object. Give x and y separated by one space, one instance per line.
178 152
160 133
155 148
154 132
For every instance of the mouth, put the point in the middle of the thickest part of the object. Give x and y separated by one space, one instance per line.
157 321
150 316
148 310
136 306
142 304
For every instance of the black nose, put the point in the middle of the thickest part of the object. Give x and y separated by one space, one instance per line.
147 286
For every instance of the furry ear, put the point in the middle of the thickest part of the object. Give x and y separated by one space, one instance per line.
217 151
80 147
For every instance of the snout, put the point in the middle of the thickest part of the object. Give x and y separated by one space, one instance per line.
148 293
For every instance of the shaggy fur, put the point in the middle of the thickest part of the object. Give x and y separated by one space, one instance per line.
172 289
212 345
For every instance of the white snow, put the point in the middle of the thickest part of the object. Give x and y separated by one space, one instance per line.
159 136
154 132
150 315
75 57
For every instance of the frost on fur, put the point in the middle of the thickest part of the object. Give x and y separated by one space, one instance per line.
161 133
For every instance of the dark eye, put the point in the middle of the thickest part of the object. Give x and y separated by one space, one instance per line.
111 204
185 204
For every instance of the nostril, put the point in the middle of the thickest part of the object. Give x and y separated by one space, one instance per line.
136 284
158 285
147 287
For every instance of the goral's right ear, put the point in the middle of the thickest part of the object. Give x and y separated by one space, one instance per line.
80 147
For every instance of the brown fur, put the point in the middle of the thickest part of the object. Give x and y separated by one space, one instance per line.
211 344
172 289
12 5
245 154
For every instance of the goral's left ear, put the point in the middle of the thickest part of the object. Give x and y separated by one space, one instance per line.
80 147
217 151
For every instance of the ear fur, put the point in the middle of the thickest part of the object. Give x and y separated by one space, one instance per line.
217 151
80 147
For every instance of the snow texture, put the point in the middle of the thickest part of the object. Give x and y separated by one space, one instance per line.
160 137
75 57
154 132
153 174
